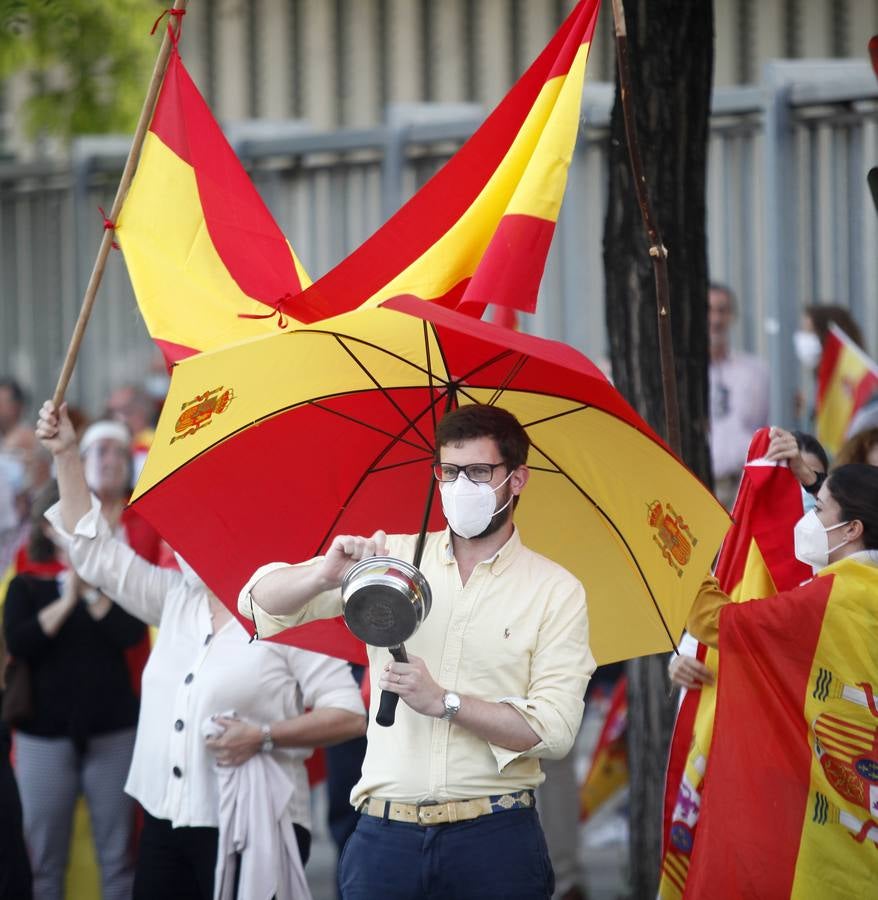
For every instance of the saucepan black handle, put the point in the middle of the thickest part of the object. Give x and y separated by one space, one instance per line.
387 707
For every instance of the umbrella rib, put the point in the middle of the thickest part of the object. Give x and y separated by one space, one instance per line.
375 428
510 375
381 389
369 470
399 465
612 524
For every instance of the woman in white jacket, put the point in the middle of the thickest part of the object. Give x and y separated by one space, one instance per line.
203 674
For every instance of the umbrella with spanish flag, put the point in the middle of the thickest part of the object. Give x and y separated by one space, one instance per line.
268 448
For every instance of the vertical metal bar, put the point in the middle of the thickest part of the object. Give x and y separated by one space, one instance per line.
253 18
781 249
747 242
427 86
468 41
295 58
342 69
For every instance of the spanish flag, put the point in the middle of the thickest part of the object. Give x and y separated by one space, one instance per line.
756 560
791 801
608 772
479 231
846 379
207 261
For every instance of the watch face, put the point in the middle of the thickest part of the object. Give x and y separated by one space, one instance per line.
452 703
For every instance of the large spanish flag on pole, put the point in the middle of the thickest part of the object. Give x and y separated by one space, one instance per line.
208 263
479 231
791 802
756 560
846 379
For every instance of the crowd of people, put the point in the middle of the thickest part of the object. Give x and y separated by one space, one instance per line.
129 683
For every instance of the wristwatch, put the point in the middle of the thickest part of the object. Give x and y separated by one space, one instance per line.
452 705
267 739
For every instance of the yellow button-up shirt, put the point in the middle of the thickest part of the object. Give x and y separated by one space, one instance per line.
517 632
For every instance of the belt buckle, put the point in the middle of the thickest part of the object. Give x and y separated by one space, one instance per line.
420 806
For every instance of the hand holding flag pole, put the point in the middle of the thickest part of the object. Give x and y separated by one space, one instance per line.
97 272
657 250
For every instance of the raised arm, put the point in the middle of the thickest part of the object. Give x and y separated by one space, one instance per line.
103 561
282 590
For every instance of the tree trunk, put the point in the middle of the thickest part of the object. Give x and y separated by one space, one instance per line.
670 45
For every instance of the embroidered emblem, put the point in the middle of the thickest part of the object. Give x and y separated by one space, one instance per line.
506 632
674 538
198 412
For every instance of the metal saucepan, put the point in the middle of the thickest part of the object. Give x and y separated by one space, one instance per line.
385 601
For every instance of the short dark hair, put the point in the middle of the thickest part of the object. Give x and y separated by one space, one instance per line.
854 488
721 288
822 315
15 389
480 420
39 547
807 443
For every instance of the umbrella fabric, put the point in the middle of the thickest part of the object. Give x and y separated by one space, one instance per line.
267 449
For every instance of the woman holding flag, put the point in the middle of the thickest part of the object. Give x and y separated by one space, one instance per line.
213 705
791 794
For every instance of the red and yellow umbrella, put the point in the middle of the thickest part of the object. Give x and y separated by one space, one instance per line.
268 448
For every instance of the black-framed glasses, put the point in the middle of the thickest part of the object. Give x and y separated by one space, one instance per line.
478 473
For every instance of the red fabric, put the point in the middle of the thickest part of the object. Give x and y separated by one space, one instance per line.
832 348
243 231
507 269
172 352
443 200
756 797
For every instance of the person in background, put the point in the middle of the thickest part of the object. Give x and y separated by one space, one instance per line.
808 341
80 736
136 409
808 461
860 448
738 396
17 438
204 675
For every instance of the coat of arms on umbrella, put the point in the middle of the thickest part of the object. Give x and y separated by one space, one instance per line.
674 537
198 412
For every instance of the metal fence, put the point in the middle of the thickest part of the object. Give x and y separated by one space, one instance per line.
789 220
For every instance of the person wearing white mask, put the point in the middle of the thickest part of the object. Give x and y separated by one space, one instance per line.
204 676
495 680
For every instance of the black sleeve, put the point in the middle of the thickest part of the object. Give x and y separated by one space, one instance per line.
24 635
120 628
814 488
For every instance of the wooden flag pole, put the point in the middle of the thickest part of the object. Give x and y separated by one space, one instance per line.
97 272
657 251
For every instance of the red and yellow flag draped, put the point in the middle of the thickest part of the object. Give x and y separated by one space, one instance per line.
479 231
791 802
201 247
756 560
847 378
608 772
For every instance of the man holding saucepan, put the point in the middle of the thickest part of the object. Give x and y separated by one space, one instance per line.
494 680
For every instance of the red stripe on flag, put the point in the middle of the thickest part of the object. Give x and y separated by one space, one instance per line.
243 231
172 352
513 263
756 791
832 348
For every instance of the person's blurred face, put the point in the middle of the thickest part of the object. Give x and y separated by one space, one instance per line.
107 468
123 406
720 316
10 411
872 455
813 462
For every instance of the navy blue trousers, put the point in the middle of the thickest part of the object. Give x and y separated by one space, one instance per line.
497 857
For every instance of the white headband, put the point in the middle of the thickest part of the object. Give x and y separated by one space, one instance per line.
102 431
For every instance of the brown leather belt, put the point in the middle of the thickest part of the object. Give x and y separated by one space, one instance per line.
427 814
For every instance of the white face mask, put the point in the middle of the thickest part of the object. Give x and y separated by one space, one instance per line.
807 347
469 507
190 576
811 540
